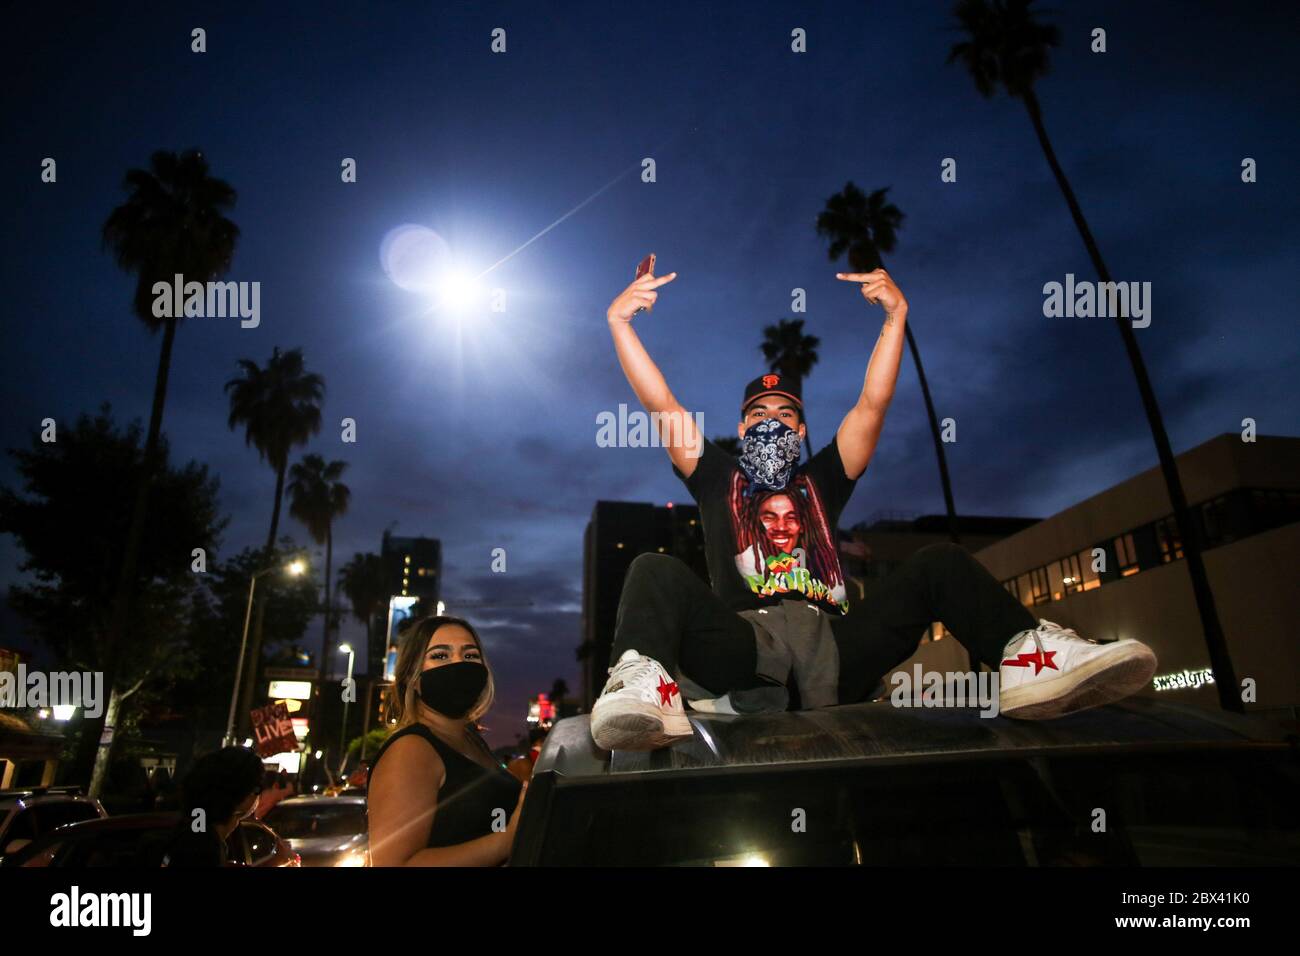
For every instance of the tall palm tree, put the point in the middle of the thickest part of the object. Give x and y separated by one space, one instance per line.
865 226
316 498
1008 49
279 407
364 581
172 222
792 354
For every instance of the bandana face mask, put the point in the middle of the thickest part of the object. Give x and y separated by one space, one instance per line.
769 451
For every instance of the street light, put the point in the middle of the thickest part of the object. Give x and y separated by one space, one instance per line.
343 734
294 568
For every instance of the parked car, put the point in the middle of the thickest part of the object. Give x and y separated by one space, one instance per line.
136 840
1139 783
324 831
26 815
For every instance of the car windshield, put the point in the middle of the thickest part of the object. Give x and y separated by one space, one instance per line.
51 816
1197 807
303 820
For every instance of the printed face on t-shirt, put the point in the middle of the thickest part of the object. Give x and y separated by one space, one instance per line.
781 525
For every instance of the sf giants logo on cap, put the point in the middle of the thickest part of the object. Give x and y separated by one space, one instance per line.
771 381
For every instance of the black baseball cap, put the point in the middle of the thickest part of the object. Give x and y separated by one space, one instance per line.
773 384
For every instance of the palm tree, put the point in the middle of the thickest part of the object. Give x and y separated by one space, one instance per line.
865 226
364 581
171 223
316 498
1008 49
791 354
279 407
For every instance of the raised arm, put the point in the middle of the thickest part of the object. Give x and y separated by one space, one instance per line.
860 430
677 431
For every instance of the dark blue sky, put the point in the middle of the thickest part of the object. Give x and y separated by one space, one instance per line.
482 432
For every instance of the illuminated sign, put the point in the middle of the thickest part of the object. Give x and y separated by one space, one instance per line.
1184 680
300 727
288 762
290 690
399 610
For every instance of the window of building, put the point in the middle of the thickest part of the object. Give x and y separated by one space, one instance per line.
1011 588
1055 584
1089 578
1274 508
1126 555
1214 519
1170 541
1071 579
1038 582
1024 591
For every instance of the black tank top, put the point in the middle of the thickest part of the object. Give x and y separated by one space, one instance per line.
470 795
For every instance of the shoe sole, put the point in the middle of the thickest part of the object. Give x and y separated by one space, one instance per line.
642 728
1102 680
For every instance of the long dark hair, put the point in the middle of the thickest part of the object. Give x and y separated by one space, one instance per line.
823 561
404 695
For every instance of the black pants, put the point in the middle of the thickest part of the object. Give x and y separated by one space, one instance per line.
668 613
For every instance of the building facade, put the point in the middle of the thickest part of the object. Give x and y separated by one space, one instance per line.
617 532
1112 567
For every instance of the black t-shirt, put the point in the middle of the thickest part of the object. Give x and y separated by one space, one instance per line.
768 546
185 848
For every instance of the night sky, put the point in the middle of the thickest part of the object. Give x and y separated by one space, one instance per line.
480 428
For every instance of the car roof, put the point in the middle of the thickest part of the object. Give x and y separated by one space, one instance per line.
314 801
877 732
125 821
11 798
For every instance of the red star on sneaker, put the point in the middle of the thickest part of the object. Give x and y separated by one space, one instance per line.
666 691
1039 661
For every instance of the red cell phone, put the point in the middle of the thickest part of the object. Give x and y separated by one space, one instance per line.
646 265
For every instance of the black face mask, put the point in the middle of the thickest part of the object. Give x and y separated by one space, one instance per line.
452 689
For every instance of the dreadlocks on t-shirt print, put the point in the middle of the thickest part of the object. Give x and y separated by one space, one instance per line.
784 544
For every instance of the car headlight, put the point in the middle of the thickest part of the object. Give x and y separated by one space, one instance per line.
352 858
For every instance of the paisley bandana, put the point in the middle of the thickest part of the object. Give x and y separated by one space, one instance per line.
768 454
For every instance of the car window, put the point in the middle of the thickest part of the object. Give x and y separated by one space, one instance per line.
236 852
21 828
51 816
260 840
1193 807
300 821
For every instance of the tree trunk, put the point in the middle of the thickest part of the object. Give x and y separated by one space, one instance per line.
325 644
91 752
1225 679
103 754
944 480
329 558
243 720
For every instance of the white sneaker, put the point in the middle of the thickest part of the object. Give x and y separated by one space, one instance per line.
640 707
1050 671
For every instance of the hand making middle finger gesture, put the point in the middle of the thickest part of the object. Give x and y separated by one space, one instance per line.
877 288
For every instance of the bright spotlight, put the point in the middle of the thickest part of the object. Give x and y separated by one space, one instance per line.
456 290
